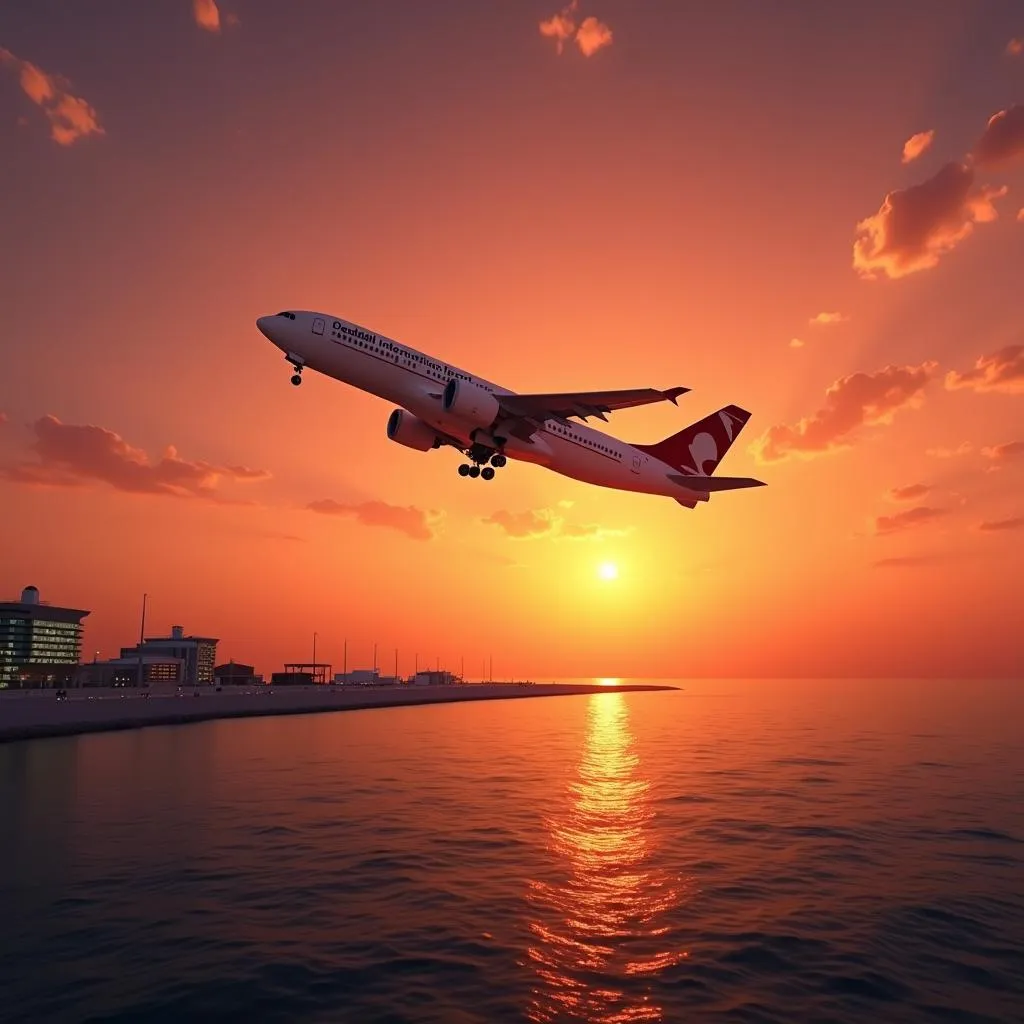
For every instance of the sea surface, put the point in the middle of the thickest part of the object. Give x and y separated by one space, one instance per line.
736 851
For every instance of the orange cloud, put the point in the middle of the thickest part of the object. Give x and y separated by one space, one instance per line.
593 35
1015 47
1003 138
544 522
1010 450
919 516
413 522
991 526
70 455
862 399
207 14
915 226
1002 370
910 492
824 319
1020 215
795 343
70 117
561 26
964 448
917 144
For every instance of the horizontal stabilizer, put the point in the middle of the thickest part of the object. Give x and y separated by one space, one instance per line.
707 484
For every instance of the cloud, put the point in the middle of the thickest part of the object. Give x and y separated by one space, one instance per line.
910 492
862 399
824 319
919 516
3 418
1002 370
561 26
1003 138
70 117
413 522
992 526
916 226
1010 450
964 448
70 455
593 35
796 343
1015 47
543 522
917 144
206 14
525 525
1020 215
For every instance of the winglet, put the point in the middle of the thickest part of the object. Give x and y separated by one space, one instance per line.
673 393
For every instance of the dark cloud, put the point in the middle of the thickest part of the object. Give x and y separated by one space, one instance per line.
1003 139
413 522
910 492
70 455
1014 523
913 517
1002 370
862 399
1000 452
908 561
916 226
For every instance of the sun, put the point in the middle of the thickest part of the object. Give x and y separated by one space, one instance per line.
608 571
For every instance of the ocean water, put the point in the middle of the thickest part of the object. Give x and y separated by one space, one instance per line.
737 851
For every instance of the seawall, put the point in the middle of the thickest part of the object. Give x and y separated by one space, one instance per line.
37 714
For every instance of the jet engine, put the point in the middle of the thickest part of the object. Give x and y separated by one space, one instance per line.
470 403
411 431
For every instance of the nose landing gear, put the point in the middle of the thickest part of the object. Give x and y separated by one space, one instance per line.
297 366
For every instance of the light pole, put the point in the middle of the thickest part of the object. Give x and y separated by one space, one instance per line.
142 640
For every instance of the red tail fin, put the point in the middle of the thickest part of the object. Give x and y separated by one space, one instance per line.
700 447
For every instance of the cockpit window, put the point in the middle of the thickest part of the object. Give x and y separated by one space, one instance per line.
291 316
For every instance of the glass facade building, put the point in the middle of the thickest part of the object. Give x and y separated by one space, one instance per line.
40 644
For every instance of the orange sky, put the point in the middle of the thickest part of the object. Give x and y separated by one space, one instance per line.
811 212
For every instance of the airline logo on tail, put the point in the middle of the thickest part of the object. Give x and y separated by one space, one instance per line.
705 448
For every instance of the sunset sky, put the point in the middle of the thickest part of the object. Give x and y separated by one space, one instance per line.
814 211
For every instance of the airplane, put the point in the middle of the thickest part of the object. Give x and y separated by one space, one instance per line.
440 404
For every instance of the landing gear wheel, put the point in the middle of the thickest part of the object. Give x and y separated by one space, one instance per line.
463 470
474 471
297 379
498 461
487 473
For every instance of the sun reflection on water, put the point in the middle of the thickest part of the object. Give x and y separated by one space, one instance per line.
597 933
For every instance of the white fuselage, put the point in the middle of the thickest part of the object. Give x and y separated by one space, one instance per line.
416 382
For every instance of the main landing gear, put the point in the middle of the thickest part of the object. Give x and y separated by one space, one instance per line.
496 459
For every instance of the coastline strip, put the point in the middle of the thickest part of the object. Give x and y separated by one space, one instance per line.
38 714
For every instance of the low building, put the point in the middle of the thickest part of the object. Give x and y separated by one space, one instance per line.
291 679
150 670
358 677
435 679
199 653
235 674
40 644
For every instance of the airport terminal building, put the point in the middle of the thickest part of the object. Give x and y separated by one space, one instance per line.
40 644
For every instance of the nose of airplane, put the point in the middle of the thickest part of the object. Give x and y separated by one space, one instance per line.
263 323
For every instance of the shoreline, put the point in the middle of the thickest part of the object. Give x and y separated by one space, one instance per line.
27 715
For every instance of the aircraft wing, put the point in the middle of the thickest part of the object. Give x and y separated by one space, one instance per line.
708 484
581 403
